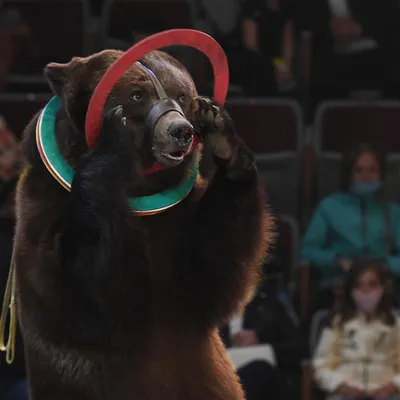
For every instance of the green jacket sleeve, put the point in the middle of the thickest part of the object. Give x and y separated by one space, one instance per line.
314 246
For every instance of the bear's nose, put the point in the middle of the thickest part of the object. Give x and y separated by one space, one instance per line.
181 130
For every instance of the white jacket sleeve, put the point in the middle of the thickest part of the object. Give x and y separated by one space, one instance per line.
327 378
396 353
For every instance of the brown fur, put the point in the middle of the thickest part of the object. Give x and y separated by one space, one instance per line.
114 306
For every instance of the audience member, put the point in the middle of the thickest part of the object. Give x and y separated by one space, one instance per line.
355 46
96 7
268 40
269 318
356 222
258 377
15 42
221 20
358 354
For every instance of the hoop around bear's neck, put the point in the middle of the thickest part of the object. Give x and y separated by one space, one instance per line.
64 173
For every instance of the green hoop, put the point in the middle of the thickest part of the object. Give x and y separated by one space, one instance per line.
64 173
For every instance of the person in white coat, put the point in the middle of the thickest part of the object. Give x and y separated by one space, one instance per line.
358 354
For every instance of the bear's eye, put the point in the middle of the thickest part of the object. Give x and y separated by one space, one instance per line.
181 98
137 95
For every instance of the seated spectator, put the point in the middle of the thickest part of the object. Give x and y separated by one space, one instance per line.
357 222
268 319
20 53
268 40
358 354
96 7
14 36
258 377
221 20
355 46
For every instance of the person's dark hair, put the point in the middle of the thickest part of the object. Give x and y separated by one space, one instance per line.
350 158
347 308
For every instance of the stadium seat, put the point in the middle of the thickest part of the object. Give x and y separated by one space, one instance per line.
272 128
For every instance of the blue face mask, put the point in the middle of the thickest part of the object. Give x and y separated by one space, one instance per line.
365 189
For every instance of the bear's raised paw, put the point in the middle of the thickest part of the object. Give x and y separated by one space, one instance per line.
113 131
214 125
114 150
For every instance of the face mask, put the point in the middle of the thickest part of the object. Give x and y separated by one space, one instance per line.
365 189
367 302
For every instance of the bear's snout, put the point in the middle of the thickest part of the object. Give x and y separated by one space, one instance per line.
182 131
172 138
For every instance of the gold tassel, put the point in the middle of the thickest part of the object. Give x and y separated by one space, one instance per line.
9 305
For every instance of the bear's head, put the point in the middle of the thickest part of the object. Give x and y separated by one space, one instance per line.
166 141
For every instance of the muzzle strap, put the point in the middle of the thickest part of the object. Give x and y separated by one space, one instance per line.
164 105
159 89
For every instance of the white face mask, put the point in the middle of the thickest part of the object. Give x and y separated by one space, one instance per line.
367 302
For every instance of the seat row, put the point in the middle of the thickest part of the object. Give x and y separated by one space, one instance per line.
298 164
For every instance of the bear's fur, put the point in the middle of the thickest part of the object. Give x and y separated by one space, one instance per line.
120 307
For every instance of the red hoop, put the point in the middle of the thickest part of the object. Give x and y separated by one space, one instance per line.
186 37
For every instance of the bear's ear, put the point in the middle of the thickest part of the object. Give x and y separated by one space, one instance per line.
57 75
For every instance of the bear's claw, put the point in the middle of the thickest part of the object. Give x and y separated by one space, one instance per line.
209 115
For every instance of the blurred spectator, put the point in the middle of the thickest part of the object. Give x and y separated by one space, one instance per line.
97 7
259 378
15 40
268 40
269 318
13 385
358 354
355 46
221 20
21 56
356 222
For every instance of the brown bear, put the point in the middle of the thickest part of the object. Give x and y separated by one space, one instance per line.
118 306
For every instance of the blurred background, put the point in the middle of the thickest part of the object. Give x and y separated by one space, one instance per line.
315 93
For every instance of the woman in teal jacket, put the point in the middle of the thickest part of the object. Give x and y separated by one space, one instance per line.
355 222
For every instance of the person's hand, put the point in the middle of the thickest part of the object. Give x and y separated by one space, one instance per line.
384 392
284 76
345 264
345 29
351 392
245 338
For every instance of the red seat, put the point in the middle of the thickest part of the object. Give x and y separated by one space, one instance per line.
123 17
272 128
268 126
18 110
58 26
343 124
